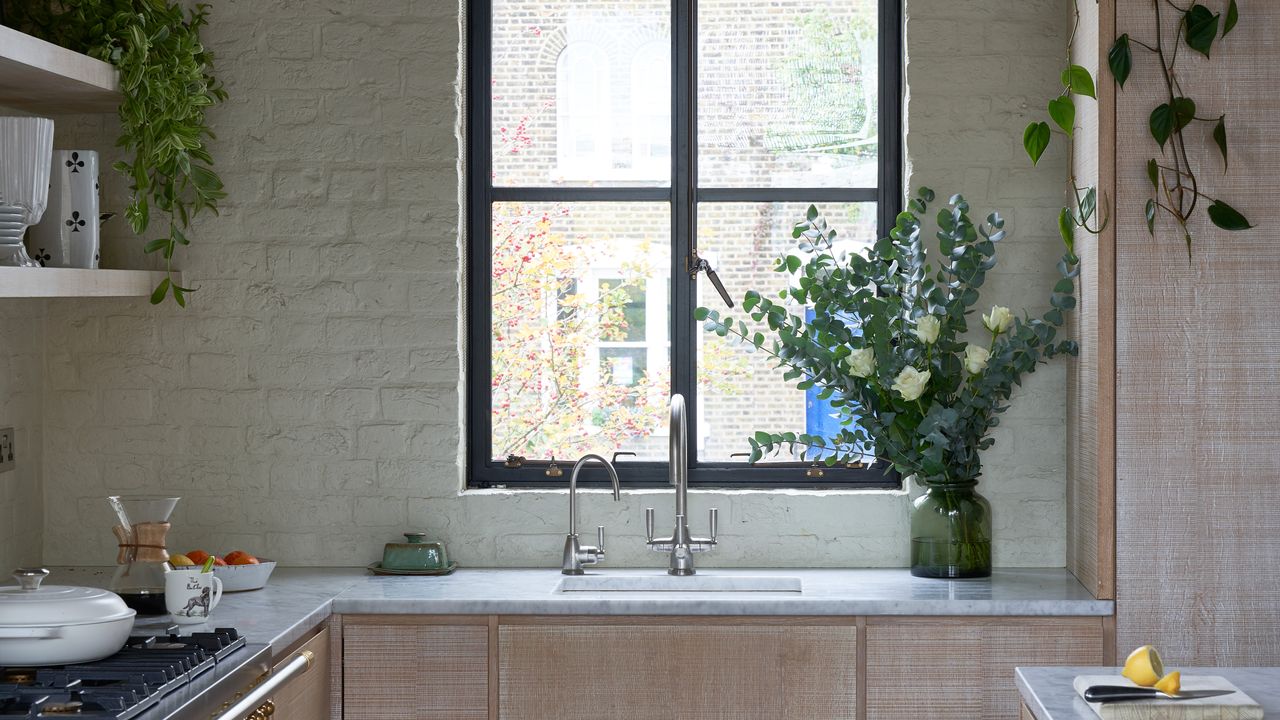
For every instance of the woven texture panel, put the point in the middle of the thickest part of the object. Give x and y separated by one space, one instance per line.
963 669
1090 377
1198 531
415 672
677 672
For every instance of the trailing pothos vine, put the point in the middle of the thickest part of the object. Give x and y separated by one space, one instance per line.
1175 186
1076 81
167 83
1173 181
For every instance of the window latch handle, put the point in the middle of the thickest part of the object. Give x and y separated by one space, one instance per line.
700 264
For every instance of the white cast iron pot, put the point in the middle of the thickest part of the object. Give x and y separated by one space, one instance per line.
59 624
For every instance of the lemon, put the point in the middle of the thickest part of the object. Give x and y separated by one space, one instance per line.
1170 684
180 560
1143 666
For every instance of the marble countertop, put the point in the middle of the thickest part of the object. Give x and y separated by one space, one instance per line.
294 602
1047 691
297 600
824 592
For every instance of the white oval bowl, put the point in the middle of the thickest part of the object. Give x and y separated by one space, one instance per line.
238 578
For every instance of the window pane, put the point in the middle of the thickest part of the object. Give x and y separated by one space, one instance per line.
787 93
740 392
581 344
581 93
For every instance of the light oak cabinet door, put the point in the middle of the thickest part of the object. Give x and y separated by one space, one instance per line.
306 697
962 668
677 670
405 668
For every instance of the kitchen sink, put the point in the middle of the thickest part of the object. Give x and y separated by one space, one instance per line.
670 583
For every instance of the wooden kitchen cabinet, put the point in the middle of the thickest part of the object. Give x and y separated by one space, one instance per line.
306 697
962 668
404 667
677 669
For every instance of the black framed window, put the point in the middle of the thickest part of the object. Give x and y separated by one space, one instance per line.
612 147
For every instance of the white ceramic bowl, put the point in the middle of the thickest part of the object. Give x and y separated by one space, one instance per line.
238 578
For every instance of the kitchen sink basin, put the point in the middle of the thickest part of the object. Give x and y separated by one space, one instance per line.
670 583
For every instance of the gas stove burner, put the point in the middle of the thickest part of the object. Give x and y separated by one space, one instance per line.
120 687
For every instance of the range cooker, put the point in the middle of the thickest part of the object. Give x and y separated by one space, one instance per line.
162 677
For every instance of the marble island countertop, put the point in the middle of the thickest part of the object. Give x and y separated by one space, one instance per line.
298 599
1048 691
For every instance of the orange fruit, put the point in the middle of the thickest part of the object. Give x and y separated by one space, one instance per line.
220 562
198 556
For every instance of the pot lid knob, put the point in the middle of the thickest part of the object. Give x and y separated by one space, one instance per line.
415 537
30 578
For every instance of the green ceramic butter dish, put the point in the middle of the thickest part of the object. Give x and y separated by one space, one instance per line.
415 555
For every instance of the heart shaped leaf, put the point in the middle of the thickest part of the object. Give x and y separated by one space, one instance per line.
1035 139
1233 16
1078 80
1063 111
1153 173
1150 212
1227 217
1201 25
1120 59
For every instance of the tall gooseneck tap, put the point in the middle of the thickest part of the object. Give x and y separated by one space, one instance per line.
575 554
681 544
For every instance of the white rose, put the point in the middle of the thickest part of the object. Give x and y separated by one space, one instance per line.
911 383
975 358
998 320
862 362
927 329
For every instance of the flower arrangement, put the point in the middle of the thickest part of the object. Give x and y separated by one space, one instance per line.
889 342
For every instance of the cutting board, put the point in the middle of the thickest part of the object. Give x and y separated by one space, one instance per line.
1236 706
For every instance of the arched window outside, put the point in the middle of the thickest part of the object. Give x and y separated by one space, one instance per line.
582 111
651 111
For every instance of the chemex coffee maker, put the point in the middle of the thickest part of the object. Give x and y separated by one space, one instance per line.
143 558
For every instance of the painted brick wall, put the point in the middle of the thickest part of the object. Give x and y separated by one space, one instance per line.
21 407
307 405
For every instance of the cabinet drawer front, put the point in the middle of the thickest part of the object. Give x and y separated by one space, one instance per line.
415 672
962 668
307 697
677 672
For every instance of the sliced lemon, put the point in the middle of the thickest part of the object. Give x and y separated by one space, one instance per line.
1170 684
1143 666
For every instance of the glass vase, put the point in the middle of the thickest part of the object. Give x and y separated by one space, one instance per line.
951 532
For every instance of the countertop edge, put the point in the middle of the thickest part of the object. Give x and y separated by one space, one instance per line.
724 607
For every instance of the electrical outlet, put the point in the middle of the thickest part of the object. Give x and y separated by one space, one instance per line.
6 449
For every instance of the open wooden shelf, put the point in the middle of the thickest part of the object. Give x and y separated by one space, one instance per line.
41 77
70 282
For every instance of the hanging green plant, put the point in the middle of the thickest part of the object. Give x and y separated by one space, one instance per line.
1077 82
166 78
1175 188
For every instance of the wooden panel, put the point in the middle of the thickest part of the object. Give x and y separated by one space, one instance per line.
1091 376
43 78
677 671
962 668
307 697
1026 714
1198 471
408 671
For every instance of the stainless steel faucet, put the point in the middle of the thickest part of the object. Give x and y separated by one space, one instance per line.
576 555
681 544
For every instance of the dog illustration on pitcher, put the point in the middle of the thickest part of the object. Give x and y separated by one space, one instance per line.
190 595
